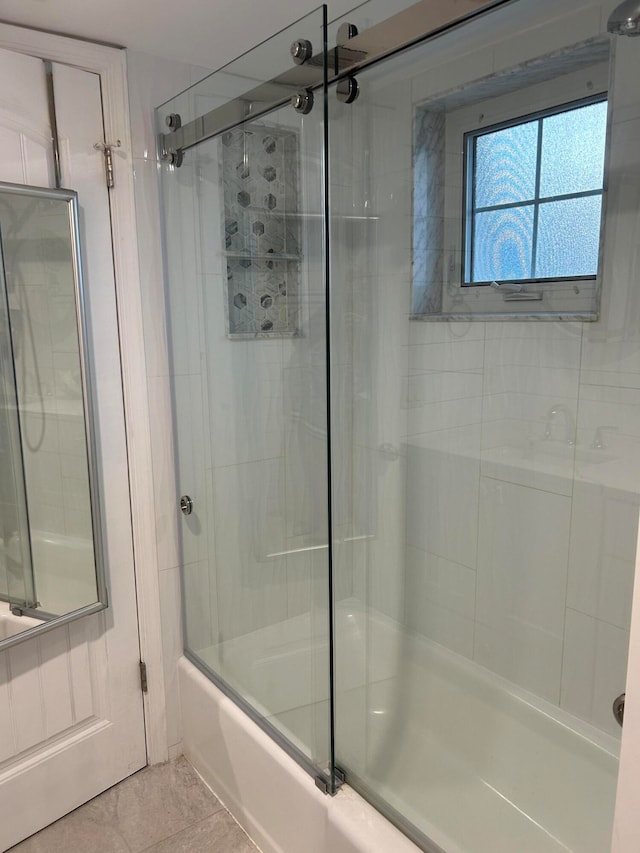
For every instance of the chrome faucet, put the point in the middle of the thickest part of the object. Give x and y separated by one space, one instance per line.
569 423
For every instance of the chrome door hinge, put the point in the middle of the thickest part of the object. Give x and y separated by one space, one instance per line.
144 685
107 150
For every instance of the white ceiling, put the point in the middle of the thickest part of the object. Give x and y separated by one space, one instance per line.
200 32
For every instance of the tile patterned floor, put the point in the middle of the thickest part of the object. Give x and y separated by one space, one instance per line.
164 809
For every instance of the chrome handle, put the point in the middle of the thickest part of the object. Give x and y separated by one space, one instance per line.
618 708
186 505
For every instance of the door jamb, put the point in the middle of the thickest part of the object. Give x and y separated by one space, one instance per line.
110 64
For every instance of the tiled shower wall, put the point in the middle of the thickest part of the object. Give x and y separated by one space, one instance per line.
261 231
520 549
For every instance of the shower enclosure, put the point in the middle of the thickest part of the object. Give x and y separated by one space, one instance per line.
405 366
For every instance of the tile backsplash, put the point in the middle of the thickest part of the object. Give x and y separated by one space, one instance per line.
261 231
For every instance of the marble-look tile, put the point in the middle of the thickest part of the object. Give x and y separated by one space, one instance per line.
154 804
80 830
216 834
165 807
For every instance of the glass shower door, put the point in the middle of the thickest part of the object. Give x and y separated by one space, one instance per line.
485 425
246 299
17 585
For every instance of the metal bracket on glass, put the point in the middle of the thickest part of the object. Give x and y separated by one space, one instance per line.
169 154
405 29
324 782
302 102
347 90
301 51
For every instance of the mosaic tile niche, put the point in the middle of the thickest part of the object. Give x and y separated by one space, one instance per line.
261 232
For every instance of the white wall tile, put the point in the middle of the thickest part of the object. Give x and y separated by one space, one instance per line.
170 613
440 600
521 585
604 526
450 355
542 351
594 669
442 503
250 533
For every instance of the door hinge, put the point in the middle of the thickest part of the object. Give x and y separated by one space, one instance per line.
107 150
144 685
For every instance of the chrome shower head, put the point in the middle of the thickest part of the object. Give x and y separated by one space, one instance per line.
625 19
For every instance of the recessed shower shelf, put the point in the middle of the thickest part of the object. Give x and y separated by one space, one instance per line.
263 256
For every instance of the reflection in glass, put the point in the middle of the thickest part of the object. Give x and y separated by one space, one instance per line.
47 553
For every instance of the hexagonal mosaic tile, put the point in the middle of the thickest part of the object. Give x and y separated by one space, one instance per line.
261 231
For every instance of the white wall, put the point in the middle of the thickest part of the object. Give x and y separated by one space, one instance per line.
153 80
519 551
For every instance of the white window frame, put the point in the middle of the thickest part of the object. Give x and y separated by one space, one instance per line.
570 298
470 170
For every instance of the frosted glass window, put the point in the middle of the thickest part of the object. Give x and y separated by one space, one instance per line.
503 244
568 237
506 165
534 196
573 151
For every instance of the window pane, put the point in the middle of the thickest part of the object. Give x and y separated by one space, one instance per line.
573 150
568 237
505 165
502 244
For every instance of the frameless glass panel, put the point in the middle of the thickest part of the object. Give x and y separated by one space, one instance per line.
573 147
246 301
503 244
504 167
477 657
569 237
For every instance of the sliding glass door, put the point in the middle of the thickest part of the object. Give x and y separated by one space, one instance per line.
246 298
485 427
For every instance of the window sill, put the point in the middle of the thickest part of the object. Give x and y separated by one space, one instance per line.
543 316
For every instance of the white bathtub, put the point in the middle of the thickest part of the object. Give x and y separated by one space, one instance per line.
64 571
477 764
11 625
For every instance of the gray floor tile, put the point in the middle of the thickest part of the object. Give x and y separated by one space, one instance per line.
78 831
152 805
216 834
156 803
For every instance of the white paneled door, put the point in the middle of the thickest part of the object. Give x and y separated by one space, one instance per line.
71 711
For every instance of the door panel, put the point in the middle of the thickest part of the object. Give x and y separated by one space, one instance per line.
70 703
